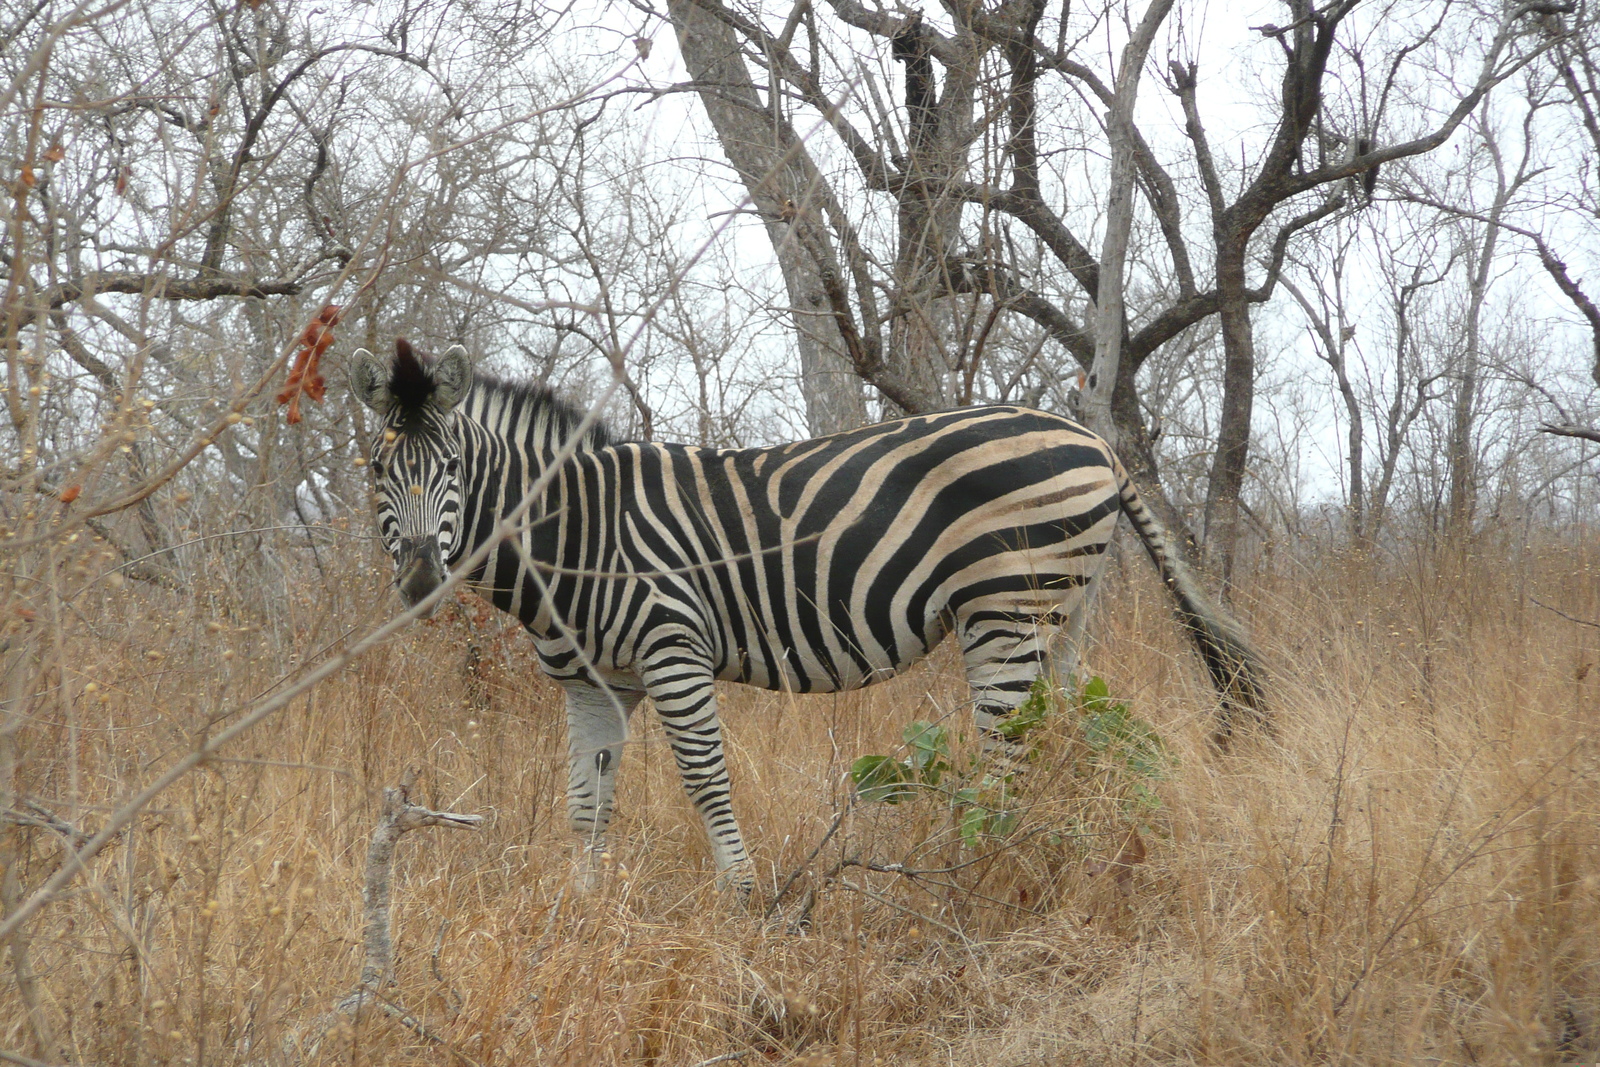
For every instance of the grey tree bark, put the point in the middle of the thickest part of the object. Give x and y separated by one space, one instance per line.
1110 315
789 193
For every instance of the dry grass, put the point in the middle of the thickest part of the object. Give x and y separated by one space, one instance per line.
1409 873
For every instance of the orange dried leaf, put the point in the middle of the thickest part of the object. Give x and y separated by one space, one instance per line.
71 493
304 378
27 176
1132 853
55 153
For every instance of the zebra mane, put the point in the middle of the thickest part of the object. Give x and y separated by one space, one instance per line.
495 402
410 384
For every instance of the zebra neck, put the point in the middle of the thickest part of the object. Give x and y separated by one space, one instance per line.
531 424
509 438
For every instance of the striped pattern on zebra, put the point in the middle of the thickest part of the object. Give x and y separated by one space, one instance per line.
813 567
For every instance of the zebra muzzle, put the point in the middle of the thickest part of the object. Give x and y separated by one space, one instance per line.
418 568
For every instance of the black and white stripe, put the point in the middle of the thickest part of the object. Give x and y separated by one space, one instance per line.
813 567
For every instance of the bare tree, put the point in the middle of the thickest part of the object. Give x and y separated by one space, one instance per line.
963 166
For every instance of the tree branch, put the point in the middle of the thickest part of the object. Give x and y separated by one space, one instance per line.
1567 429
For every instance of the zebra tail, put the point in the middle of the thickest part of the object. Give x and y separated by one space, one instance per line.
1233 664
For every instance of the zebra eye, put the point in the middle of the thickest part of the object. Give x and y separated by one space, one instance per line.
452 465
377 470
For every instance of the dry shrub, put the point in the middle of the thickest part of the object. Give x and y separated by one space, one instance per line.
1407 872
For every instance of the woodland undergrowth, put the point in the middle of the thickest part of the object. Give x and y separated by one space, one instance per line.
1407 871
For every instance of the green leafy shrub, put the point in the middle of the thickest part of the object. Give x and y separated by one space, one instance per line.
1121 752
1124 749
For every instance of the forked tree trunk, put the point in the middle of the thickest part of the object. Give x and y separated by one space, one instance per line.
938 133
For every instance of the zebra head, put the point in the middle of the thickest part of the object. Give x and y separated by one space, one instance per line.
416 458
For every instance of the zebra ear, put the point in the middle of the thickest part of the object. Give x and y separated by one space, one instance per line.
451 377
369 381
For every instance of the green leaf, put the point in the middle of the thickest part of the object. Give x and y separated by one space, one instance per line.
926 740
1121 738
971 826
881 778
1029 714
1144 798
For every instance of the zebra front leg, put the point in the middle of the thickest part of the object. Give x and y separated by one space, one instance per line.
681 685
597 726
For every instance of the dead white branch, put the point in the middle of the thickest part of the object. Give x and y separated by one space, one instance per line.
1564 429
400 816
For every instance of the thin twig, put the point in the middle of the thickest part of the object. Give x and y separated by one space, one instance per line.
21 1060
404 1017
809 860
1564 615
726 1057
40 816
897 906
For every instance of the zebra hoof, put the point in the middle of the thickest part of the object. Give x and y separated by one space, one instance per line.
738 882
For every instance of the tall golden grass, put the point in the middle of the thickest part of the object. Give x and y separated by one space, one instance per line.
1407 872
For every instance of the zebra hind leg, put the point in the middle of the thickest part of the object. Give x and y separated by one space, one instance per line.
597 727
1067 643
1004 654
685 696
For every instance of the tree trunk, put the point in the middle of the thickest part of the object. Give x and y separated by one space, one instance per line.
938 131
1461 453
1110 319
1238 400
788 191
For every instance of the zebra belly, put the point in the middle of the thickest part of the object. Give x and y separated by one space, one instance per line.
805 669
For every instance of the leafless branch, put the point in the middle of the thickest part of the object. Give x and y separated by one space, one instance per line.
1587 433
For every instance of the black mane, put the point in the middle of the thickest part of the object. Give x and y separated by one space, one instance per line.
562 414
412 386
409 381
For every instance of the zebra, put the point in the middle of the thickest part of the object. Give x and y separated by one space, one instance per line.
813 567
